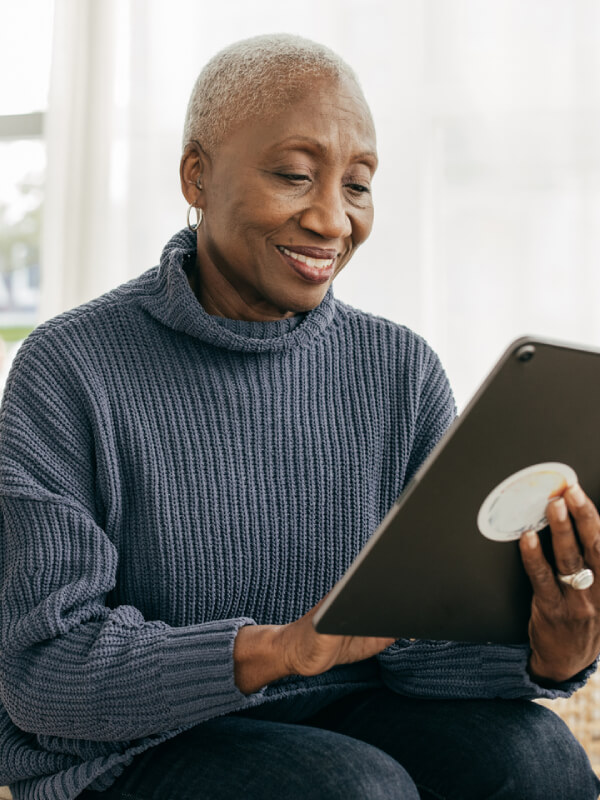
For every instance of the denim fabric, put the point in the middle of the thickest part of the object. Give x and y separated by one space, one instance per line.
365 747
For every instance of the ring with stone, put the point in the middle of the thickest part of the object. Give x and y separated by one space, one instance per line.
582 579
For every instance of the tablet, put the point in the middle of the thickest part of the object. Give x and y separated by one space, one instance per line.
444 563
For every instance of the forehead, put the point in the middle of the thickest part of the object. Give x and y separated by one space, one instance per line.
328 117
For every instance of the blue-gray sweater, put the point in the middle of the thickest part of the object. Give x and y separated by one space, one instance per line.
166 477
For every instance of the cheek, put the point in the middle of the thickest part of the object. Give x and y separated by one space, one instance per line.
261 214
362 226
276 209
238 224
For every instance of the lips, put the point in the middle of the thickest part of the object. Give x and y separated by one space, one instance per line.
314 264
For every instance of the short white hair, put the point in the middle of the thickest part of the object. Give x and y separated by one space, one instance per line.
249 77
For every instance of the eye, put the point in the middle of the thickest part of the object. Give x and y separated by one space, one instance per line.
359 188
293 177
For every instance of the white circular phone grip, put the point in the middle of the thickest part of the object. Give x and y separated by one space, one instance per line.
518 504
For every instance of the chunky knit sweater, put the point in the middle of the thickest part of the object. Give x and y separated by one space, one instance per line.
166 477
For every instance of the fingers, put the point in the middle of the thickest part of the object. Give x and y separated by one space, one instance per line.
538 569
587 520
567 553
575 528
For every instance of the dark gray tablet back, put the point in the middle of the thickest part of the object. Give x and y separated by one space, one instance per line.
427 572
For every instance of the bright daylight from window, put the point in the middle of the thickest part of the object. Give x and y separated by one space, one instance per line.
23 101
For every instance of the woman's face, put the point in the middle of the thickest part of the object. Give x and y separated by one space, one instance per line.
286 200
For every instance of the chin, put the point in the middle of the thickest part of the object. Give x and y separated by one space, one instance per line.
302 303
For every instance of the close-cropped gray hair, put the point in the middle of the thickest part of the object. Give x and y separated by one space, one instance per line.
248 77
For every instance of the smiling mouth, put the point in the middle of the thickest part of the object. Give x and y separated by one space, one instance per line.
310 261
310 267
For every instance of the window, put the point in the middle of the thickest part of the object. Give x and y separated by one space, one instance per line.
23 103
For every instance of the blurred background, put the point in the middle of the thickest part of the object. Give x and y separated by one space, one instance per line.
487 197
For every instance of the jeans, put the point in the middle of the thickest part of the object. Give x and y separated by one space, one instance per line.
372 745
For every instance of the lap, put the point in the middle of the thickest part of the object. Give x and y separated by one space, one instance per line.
234 757
470 749
367 745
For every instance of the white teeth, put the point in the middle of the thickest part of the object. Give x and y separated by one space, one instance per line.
319 263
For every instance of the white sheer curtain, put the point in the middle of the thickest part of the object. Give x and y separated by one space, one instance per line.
488 117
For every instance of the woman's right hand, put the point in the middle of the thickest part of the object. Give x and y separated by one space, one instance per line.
265 653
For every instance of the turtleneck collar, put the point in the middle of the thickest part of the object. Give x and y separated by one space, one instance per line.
173 303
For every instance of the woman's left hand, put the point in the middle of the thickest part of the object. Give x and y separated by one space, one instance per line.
564 629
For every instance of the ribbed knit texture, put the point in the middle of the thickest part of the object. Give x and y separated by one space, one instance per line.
166 477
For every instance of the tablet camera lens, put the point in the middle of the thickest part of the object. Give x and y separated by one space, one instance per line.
526 352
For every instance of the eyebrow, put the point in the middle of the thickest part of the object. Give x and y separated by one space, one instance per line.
310 145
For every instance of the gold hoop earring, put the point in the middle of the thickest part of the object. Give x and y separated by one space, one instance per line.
199 216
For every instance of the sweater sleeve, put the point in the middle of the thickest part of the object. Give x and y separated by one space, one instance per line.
457 670
71 665
439 669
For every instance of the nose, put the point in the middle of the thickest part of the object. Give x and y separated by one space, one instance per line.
327 214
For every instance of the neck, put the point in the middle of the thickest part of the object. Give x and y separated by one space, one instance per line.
220 298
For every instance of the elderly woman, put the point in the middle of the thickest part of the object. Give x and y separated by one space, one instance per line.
190 462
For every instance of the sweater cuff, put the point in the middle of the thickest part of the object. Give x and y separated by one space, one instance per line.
514 680
198 676
461 670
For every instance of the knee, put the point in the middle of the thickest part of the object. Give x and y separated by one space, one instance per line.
355 771
543 759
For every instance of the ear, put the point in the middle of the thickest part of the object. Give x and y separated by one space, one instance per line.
192 169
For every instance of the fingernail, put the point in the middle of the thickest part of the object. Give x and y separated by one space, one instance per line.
576 494
531 539
560 509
